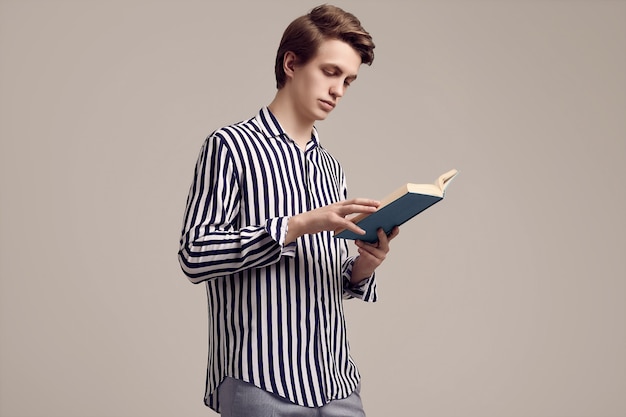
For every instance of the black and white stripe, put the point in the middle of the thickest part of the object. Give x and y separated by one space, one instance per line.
276 316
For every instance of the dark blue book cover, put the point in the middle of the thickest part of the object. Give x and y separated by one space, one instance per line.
398 208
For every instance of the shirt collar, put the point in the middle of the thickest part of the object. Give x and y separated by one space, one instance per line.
271 128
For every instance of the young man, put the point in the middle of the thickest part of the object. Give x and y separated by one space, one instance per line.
258 232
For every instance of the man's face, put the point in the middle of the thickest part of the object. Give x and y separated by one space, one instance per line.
318 85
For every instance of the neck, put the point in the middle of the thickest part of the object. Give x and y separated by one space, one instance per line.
297 127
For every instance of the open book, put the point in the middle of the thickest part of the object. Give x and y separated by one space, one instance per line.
398 207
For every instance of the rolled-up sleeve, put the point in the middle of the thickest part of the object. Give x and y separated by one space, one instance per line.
212 243
364 290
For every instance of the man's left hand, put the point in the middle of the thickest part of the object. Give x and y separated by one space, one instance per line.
371 255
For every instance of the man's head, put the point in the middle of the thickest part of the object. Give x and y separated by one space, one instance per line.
304 36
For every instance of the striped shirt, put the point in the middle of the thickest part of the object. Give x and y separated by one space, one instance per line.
276 317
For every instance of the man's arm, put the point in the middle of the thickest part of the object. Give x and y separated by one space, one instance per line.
329 218
212 244
359 274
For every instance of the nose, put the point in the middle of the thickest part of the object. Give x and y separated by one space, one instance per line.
337 90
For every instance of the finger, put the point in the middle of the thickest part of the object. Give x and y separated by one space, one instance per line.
394 232
363 202
364 244
347 224
384 239
383 242
372 249
348 209
373 259
368 257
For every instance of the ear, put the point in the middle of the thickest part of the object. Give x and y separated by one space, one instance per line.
289 63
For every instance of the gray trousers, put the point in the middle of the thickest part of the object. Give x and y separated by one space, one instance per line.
241 399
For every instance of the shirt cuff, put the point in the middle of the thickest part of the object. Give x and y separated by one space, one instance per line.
364 290
277 229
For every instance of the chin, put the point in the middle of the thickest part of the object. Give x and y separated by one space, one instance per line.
316 114
321 115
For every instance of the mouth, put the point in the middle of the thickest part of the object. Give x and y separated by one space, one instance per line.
328 104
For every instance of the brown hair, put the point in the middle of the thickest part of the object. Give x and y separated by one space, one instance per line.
305 34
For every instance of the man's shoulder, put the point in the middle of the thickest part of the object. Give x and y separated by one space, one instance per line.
243 130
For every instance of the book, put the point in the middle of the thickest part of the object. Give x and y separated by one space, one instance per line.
398 207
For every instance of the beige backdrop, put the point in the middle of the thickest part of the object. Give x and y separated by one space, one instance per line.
506 300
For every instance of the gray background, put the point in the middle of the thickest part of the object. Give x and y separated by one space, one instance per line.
507 299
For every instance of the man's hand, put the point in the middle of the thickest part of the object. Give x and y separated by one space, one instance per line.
371 255
329 218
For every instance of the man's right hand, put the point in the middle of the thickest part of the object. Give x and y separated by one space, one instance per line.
329 218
